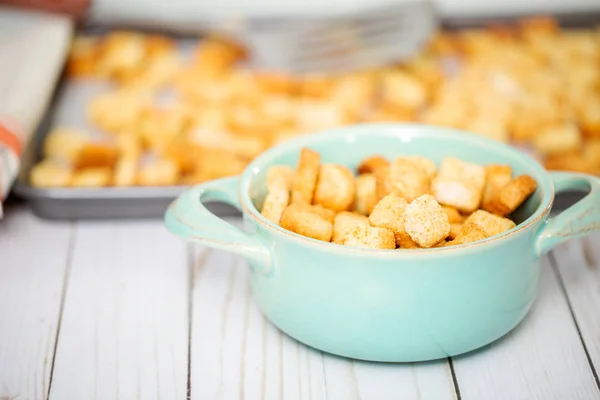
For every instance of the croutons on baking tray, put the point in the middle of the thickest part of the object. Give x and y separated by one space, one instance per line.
421 207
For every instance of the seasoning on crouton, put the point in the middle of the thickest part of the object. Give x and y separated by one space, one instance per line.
425 221
306 176
344 222
425 164
370 164
491 224
497 176
279 183
335 187
459 184
370 237
388 214
469 233
301 220
512 195
365 194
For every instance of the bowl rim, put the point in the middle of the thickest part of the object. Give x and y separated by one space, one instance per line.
544 183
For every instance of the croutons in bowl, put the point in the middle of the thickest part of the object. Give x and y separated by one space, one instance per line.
391 242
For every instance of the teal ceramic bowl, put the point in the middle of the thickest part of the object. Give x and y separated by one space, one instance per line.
390 305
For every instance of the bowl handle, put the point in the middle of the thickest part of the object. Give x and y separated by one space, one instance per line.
188 218
579 220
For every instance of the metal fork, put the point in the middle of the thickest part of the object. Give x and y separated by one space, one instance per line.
339 43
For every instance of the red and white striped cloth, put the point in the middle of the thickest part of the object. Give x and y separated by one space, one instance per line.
33 48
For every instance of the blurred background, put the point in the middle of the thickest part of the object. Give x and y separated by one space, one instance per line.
146 97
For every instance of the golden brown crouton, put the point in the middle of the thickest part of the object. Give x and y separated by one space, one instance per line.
558 139
469 233
370 164
50 174
497 176
366 194
64 144
454 230
370 237
298 219
335 187
158 173
388 214
307 174
125 171
325 213
279 183
404 179
92 177
512 195
425 164
463 171
96 155
459 184
425 221
491 224
453 214
455 193
344 222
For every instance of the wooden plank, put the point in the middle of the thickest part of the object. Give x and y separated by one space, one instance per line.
124 332
236 353
33 264
578 264
542 358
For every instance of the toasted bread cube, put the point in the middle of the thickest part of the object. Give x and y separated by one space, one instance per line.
469 233
335 187
497 176
279 183
512 195
125 171
454 230
96 155
388 214
370 164
425 164
454 216
370 237
325 213
406 180
382 181
158 173
558 139
403 90
307 174
50 174
455 193
64 144
425 221
344 222
298 219
404 241
463 171
491 224
366 194
92 177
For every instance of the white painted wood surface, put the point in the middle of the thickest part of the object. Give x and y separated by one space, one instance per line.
236 353
124 329
542 358
131 288
578 265
33 262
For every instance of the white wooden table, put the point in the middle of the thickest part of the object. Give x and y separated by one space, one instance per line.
124 310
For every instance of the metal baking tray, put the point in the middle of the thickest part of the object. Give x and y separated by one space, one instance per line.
67 108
